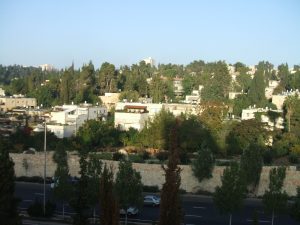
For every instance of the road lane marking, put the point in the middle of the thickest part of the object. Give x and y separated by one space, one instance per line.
199 207
28 200
193 216
39 194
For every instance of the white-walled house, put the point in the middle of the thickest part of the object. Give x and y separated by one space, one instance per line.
279 99
126 117
195 97
67 119
152 108
110 99
270 89
248 114
134 116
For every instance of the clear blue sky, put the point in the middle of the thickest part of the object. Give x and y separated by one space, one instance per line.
57 32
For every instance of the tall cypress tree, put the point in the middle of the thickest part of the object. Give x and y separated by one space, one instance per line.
108 204
62 189
170 207
80 199
256 92
8 203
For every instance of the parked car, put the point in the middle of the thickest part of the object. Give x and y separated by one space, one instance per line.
131 211
151 200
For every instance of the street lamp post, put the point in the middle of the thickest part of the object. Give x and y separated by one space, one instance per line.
45 166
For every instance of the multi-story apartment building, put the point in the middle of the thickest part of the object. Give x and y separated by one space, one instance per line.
67 119
16 101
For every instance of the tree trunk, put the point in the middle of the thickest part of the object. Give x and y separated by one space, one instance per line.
230 217
94 215
272 217
126 217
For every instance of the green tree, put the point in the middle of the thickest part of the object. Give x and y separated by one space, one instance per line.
94 171
251 164
295 208
274 199
189 132
284 75
107 78
109 214
240 68
8 203
85 85
160 88
229 197
62 185
129 95
203 165
67 85
243 134
188 84
217 88
156 133
244 80
239 103
128 186
170 206
292 112
98 134
256 92
80 194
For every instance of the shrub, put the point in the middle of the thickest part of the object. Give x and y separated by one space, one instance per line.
146 155
184 158
117 156
267 157
136 158
104 155
162 156
296 150
293 158
36 209
152 188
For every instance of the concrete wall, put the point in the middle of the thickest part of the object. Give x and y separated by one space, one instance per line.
152 174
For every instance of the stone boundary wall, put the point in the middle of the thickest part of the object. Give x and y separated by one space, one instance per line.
152 174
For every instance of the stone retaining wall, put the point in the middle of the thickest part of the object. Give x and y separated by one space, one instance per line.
152 174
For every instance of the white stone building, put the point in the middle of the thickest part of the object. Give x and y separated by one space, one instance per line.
110 100
178 88
150 61
248 114
46 67
278 100
134 116
126 117
270 89
195 97
67 119
233 95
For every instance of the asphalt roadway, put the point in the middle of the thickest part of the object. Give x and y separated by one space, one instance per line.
198 210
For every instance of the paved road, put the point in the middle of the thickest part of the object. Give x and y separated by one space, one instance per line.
198 210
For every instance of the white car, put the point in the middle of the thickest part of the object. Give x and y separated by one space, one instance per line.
152 200
131 211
